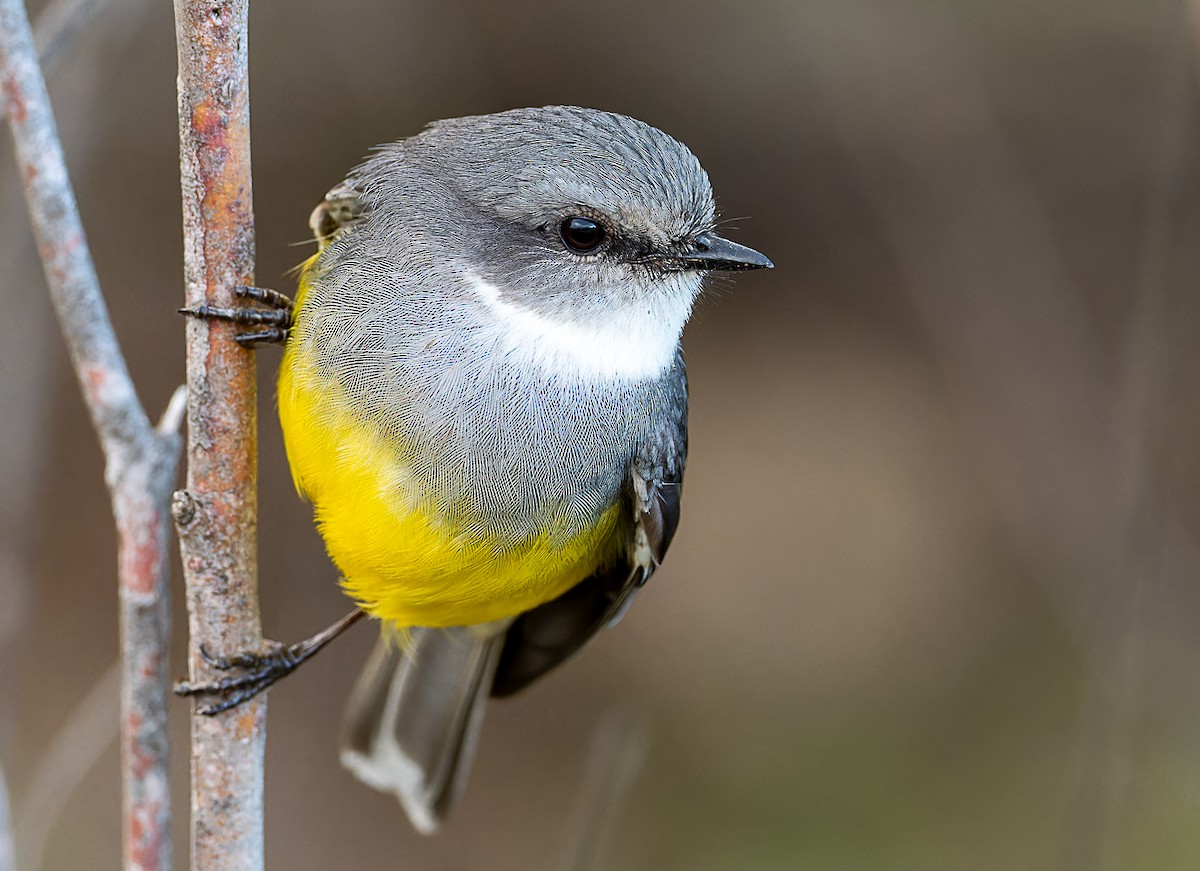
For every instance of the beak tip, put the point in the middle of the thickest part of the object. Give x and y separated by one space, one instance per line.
748 259
719 253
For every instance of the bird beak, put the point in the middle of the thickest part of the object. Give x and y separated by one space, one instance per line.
710 251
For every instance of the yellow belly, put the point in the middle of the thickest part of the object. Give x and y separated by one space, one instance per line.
402 561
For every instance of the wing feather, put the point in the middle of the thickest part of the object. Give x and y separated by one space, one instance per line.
543 638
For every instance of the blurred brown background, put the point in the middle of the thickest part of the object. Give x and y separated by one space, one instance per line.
934 603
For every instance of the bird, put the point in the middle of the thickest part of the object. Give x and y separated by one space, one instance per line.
483 396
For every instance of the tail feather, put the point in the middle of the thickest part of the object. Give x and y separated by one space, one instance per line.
413 720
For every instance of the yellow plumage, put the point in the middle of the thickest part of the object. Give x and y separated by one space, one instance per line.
400 558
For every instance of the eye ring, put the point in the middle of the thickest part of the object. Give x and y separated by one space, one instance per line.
582 235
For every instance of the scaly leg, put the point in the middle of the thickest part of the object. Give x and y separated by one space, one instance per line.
260 668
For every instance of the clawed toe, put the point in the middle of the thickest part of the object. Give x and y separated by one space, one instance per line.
271 653
261 670
274 320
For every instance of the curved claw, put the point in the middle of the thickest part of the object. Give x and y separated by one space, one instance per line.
217 662
274 321
262 668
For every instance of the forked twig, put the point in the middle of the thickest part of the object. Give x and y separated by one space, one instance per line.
140 459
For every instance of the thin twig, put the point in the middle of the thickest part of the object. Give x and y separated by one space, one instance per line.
6 839
140 460
58 25
619 747
215 516
85 735
1108 717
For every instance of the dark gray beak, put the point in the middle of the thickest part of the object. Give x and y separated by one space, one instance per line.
713 252
710 251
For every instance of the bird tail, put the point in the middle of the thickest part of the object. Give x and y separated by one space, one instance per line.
413 720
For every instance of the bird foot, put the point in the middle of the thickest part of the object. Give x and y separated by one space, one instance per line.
260 669
274 319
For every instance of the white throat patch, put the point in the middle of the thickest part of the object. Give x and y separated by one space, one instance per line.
629 345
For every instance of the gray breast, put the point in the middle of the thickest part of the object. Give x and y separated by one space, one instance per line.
506 449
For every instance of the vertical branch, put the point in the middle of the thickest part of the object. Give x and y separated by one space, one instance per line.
140 460
216 514
6 837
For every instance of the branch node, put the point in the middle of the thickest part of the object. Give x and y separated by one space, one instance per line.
183 509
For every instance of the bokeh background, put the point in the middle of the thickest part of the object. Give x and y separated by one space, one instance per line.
935 599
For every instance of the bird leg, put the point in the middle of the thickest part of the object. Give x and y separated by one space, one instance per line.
274 320
259 669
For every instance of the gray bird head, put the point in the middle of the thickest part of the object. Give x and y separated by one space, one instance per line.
577 216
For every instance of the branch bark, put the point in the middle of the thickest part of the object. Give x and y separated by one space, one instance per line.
215 515
140 460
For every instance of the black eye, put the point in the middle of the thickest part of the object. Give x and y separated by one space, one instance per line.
581 235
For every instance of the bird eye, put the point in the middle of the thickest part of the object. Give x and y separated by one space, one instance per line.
582 235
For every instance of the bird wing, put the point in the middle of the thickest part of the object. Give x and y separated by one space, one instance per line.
544 637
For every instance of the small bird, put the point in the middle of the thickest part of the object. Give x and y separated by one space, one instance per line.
483 396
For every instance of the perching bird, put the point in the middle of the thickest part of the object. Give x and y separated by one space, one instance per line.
483 396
